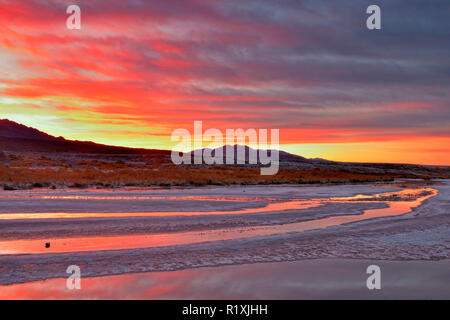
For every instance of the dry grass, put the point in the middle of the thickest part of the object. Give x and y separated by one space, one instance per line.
118 174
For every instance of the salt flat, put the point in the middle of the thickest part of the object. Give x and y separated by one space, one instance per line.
232 226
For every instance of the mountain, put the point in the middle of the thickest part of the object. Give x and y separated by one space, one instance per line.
19 138
16 137
283 156
11 129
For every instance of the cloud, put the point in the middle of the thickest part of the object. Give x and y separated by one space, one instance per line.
293 64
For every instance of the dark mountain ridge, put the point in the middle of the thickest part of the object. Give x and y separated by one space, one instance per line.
282 155
15 137
11 129
20 138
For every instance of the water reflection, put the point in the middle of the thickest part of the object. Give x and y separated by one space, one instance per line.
270 207
309 279
76 244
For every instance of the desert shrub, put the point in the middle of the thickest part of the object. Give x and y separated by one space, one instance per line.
22 163
14 157
112 174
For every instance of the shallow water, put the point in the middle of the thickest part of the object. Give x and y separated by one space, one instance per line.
78 244
302 204
308 279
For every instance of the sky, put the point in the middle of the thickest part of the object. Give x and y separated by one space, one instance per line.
137 70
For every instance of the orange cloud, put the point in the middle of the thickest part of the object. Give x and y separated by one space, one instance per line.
135 72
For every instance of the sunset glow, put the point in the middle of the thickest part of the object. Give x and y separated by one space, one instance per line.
137 71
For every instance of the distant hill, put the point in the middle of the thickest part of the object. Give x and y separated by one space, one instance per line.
283 156
19 138
15 137
11 129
